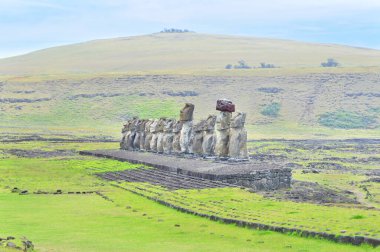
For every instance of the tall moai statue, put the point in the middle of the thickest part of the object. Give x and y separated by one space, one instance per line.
197 140
238 137
148 135
186 117
160 135
208 144
131 133
168 136
222 133
154 131
140 124
177 127
142 134
124 138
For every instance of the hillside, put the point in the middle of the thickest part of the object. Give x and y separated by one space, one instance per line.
100 84
183 51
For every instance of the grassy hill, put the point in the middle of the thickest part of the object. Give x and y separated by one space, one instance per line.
92 87
183 51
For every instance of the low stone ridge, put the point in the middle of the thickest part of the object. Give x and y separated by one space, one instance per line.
258 176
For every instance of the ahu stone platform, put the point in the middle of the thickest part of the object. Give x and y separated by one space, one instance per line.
251 174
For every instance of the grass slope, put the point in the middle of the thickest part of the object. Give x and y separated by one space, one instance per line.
99 105
190 51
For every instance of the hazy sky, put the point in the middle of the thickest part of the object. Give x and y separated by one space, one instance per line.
27 25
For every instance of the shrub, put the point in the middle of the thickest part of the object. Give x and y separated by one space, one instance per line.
228 66
271 110
346 120
242 65
330 63
174 30
263 65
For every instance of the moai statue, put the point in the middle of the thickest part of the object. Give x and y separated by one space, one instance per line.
153 131
131 133
238 137
142 135
124 132
198 130
139 134
148 135
177 126
208 145
223 127
168 136
186 117
160 135
222 133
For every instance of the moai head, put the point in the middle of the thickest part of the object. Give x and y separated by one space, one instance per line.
186 113
147 125
200 126
223 121
133 124
126 126
154 126
238 120
141 125
177 126
161 124
210 123
168 126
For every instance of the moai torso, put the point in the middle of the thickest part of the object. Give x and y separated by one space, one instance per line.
168 136
177 126
222 133
139 134
154 131
186 117
148 135
160 135
142 135
124 138
198 130
131 133
208 144
238 137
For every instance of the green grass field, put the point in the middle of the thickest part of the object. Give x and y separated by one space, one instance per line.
127 222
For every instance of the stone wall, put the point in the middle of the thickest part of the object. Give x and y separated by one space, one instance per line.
271 179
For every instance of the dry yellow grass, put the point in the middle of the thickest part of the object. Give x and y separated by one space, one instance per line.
184 52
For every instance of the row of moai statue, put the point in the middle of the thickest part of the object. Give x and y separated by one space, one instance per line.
222 136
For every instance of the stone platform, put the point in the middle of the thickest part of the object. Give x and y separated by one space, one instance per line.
255 175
